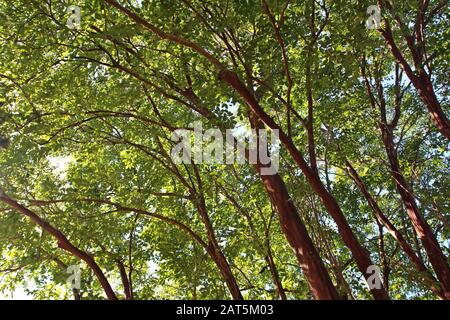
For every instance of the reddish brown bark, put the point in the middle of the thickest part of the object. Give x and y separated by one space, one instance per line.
361 255
421 81
274 273
393 231
295 231
267 248
426 92
222 263
421 227
125 281
63 243
315 272
213 247
323 238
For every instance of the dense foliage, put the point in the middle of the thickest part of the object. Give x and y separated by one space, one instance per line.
86 177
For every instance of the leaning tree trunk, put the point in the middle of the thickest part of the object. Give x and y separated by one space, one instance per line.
421 227
393 231
360 255
295 231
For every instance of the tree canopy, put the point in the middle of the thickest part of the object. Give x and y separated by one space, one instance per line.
89 101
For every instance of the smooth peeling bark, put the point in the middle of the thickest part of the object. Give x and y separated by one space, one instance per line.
359 253
426 92
316 274
420 225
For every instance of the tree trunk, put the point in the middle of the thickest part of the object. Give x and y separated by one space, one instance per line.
421 227
426 92
360 254
316 274
295 231
422 83
125 282
393 231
